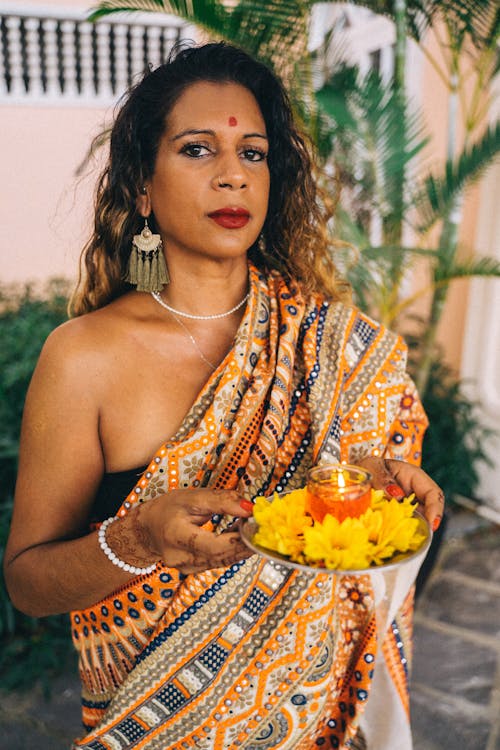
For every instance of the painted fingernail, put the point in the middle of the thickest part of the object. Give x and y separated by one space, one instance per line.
436 523
246 505
394 490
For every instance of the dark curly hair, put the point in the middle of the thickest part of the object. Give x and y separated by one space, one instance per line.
295 234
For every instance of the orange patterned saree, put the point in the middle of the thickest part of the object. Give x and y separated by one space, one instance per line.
258 656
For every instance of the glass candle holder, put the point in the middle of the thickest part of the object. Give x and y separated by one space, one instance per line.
339 489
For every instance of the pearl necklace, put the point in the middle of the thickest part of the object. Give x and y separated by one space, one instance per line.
156 296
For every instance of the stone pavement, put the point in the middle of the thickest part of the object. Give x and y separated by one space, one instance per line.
455 691
456 671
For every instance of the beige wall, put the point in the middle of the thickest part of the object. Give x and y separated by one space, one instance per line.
45 211
434 104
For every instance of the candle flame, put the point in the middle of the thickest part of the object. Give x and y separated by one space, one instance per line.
341 479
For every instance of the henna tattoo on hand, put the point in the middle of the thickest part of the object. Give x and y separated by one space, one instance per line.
131 541
142 533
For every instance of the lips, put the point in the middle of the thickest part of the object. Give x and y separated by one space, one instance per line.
231 217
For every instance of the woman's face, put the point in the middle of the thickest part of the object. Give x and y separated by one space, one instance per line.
210 188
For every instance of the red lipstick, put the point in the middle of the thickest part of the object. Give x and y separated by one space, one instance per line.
231 217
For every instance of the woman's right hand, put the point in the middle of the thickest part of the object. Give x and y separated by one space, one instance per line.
168 528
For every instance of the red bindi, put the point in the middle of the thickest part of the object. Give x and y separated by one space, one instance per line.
233 121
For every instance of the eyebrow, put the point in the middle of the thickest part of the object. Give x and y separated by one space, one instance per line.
194 131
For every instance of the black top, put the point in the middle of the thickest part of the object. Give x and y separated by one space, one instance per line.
112 491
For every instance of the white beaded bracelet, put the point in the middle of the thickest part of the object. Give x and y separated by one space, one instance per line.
101 535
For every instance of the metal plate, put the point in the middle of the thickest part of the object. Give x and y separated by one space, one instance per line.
248 527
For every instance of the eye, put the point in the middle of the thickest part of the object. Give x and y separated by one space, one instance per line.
254 154
194 150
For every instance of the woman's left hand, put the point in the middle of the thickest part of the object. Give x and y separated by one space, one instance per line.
400 479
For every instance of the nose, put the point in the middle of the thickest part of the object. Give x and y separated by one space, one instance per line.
230 175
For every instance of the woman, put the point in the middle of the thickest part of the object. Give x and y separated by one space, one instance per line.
246 369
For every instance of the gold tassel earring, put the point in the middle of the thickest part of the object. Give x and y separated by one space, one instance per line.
147 268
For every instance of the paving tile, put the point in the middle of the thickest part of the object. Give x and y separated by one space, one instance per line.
478 556
422 743
462 523
15 736
63 710
454 666
461 605
443 725
29 721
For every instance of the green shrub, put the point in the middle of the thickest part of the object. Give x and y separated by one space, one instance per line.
26 319
32 650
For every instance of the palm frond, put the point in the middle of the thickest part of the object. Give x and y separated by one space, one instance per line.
349 230
108 7
374 135
491 37
274 31
439 193
477 19
487 267
418 15
210 17
369 269
378 253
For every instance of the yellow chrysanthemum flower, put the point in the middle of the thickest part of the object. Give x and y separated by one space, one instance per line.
282 522
378 498
392 529
336 545
386 529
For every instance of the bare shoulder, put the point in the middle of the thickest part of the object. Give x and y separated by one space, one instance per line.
91 329
75 364
88 342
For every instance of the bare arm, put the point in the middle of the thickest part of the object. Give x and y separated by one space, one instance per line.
51 563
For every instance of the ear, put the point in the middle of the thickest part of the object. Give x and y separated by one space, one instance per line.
143 202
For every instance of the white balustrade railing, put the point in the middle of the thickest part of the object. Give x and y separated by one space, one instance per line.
54 55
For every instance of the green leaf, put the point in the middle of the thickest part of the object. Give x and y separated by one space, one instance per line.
108 7
439 193
25 322
32 650
273 30
474 20
488 267
374 138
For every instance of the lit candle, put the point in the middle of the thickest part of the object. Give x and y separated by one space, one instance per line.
339 489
